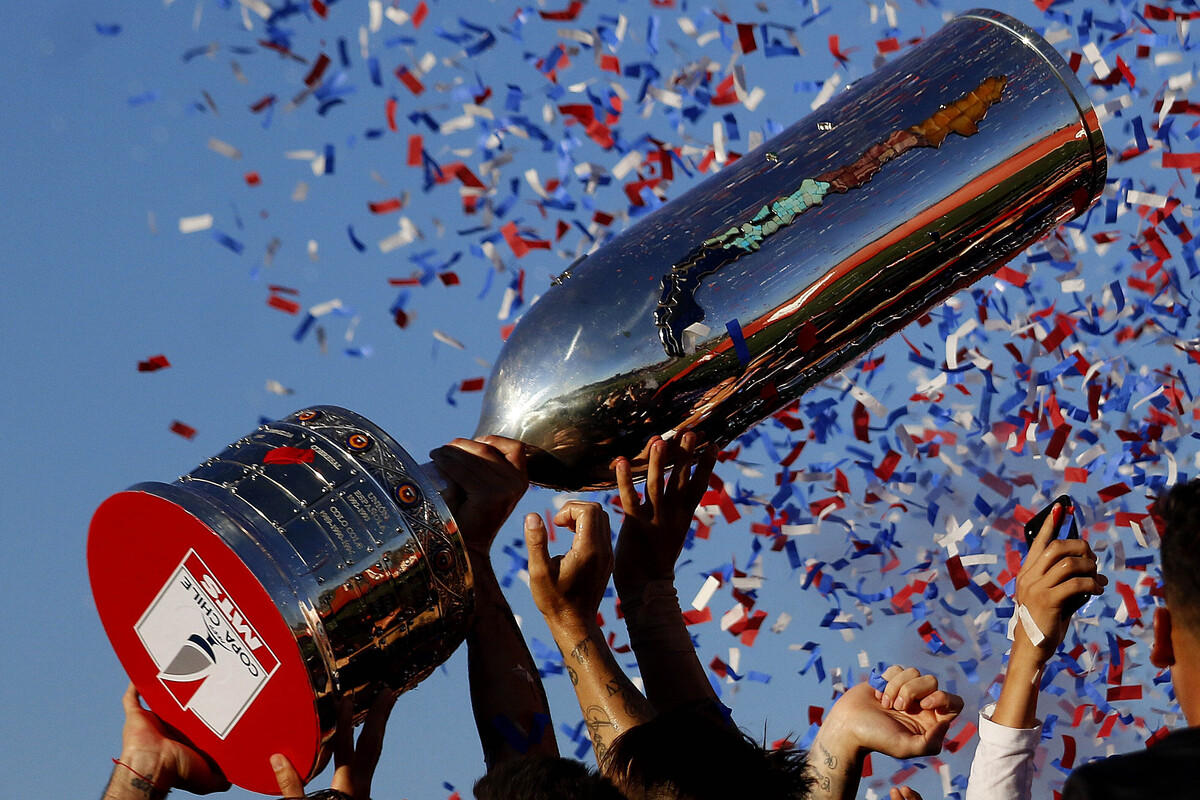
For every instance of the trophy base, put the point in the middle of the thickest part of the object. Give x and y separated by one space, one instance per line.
309 563
201 638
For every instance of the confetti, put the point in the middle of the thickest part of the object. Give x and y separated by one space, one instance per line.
153 364
182 429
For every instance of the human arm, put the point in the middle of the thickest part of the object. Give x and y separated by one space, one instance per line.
1054 572
567 589
651 539
353 762
908 718
155 758
512 714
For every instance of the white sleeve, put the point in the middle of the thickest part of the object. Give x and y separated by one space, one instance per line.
1003 764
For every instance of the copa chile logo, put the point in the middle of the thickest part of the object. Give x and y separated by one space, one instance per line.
210 658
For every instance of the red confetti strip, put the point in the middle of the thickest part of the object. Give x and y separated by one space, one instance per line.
288 455
746 38
566 15
1158 13
182 429
253 179
283 304
386 206
962 737
958 575
419 14
1075 474
888 465
389 111
1010 275
520 245
410 80
153 363
1112 492
472 385
318 70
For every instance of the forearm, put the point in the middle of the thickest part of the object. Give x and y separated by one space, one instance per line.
511 712
671 672
139 776
836 766
1017 706
610 703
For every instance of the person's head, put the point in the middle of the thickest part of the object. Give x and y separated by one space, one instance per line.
544 778
1177 626
689 754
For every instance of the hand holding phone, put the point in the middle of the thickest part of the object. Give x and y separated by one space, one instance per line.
1068 528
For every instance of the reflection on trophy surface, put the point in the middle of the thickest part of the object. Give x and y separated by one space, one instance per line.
779 270
314 559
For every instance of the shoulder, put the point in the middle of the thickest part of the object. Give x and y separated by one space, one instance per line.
1155 770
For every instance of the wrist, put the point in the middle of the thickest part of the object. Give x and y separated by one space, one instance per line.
149 773
838 746
568 626
1025 657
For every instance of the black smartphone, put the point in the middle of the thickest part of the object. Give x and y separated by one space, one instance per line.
1067 529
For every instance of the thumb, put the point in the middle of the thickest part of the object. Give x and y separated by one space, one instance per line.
290 784
536 542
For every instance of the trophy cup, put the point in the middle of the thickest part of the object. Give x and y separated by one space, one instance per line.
314 558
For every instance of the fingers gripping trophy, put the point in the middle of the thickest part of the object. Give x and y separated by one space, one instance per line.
314 559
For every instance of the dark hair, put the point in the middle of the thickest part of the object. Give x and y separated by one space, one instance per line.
688 754
1177 516
544 778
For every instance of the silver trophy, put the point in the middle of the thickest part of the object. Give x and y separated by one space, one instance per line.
909 186
710 314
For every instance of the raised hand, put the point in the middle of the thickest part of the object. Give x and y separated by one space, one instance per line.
907 718
656 524
1054 573
490 476
567 589
155 758
353 762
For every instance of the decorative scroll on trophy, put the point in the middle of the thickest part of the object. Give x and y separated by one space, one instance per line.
314 558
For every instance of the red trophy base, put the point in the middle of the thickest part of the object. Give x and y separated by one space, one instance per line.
201 639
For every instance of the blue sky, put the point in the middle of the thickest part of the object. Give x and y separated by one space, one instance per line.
109 112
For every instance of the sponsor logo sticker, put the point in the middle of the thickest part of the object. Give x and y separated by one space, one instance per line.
210 657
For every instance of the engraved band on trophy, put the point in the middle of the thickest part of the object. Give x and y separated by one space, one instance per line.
314 558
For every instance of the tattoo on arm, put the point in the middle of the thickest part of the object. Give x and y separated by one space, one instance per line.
597 720
831 760
582 651
140 785
573 675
